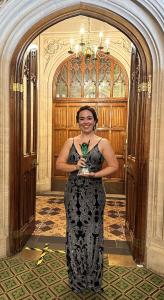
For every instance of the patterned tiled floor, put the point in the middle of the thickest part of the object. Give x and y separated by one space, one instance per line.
50 217
22 279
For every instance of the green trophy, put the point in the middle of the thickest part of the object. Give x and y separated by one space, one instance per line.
84 150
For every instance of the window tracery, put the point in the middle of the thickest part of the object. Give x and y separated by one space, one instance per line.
101 78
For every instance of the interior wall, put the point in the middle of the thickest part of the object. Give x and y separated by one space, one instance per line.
147 17
54 44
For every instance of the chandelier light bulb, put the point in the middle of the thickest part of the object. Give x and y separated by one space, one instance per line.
95 49
107 45
86 49
100 41
95 52
71 47
82 30
100 35
82 35
107 42
71 42
77 50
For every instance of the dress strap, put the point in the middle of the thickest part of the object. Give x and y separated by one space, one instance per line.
99 141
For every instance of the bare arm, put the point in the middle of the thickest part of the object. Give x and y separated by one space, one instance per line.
110 158
61 162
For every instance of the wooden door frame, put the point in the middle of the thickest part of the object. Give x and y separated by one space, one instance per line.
92 11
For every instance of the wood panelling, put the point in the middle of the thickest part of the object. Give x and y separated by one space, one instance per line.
59 137
137 162
29 155
25 107
112 112
118 138
133 127
73 132
71 113
60 121
104 116
119 116
103 133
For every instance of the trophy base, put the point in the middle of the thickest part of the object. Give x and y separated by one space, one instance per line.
83 171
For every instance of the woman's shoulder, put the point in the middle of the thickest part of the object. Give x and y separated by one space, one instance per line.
102 140
105 141
104 144
68 142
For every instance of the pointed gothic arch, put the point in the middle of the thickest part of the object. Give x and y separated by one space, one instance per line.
117 21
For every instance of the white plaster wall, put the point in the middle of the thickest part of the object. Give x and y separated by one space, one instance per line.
147 16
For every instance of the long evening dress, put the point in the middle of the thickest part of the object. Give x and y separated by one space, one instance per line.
84 204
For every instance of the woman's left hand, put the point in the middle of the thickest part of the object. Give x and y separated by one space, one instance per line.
91 174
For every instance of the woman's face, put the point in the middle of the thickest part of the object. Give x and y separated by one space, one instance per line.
86 121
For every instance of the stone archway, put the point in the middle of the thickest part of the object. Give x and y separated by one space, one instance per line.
126 19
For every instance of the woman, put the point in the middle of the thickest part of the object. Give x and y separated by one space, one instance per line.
85 200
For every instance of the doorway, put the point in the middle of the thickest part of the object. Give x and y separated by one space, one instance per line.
102 83
141 133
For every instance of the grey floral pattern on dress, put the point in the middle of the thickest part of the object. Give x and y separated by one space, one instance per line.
84 204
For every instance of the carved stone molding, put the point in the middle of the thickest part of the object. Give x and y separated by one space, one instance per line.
53 46
124 43
3 2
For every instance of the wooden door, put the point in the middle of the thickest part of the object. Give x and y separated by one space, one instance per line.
102 84
24 157
131 182
137 158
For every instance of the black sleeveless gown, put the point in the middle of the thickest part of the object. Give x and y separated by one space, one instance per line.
84 204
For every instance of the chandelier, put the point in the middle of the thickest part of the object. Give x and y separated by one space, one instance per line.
88 50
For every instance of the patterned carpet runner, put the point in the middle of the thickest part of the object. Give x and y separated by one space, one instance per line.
50 217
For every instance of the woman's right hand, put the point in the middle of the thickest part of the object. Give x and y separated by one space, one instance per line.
81 163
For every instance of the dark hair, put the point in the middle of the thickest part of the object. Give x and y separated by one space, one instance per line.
91 109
